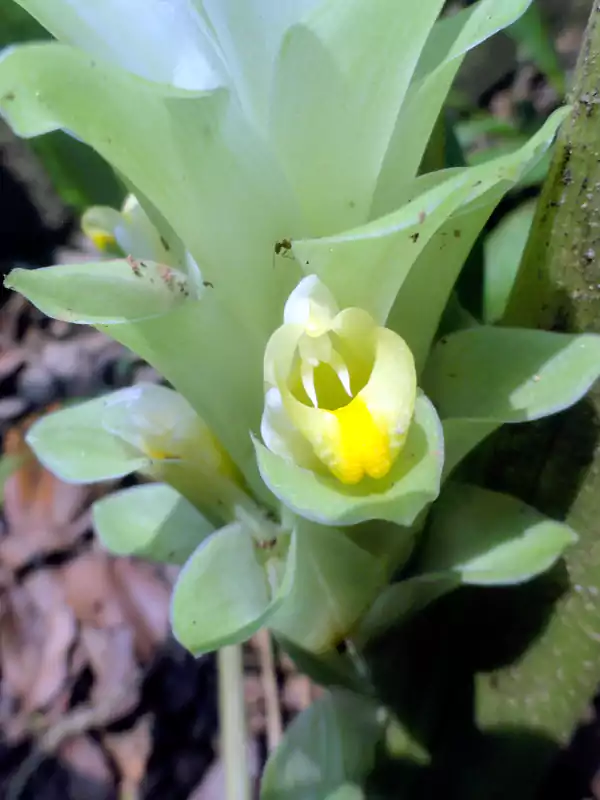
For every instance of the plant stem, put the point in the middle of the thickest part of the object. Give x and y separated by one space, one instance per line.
270 689
556 465
232 711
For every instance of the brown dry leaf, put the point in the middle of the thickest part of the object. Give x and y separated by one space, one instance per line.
10 360
85 756
42 513
131 750
117 677
58 634
37 631
12 311
90 590
299 692
145 598
77 361
105 592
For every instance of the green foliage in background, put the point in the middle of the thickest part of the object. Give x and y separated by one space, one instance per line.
78 174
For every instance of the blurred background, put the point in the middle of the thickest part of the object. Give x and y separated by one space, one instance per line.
96 701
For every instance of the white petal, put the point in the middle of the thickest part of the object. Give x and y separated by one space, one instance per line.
311 305
146 413
339 365
281 437
280 353
137 236
167 41
308 382
315 349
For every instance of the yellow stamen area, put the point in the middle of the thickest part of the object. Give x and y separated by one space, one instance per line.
363 448
219 458
159 455
102 239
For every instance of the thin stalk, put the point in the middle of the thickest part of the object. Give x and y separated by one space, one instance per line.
270 689
232 712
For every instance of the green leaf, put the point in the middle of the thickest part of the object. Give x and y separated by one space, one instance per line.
151 521
461 436
105 292
448 43
510 374
334 582
491 539
73 445
528 374
226 592
328 669
443 257
391 544
469 132
329 745
504 249
340 81
412 483
400 601
18 26
425 292
413 241
348 791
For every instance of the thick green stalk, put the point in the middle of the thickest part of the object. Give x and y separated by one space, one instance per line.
556 465
232 713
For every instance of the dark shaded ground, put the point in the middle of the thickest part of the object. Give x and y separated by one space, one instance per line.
180 692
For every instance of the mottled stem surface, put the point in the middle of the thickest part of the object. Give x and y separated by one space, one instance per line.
556 465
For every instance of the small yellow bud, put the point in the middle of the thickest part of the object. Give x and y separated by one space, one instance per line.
103 240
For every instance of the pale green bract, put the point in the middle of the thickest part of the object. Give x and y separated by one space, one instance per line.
265 142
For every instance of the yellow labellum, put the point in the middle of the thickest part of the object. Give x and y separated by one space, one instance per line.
362 448
102 239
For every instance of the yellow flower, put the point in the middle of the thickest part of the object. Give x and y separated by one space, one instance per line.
340 390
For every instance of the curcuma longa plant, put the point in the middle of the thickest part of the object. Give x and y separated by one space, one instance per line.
288 269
